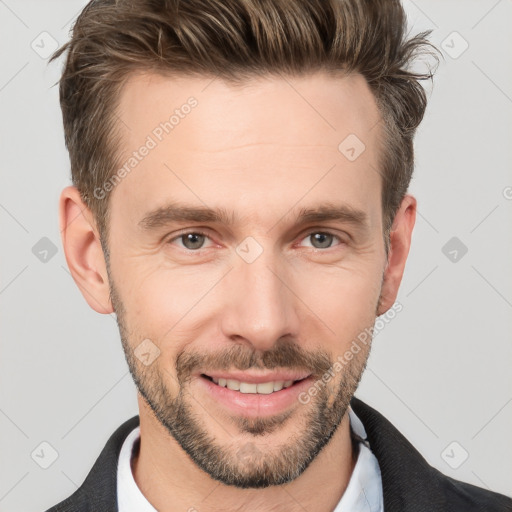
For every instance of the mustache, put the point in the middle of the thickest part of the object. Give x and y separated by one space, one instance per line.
285 354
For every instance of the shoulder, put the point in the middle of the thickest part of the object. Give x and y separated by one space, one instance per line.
99 489
464 497
409 483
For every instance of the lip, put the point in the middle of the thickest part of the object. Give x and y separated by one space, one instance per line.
255 405
254 378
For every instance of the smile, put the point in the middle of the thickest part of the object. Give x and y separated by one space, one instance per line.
263 388
266 397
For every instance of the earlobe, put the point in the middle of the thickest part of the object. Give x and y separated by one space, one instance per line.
400 242
83 251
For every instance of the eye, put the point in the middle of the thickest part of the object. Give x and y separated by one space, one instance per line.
191 240
322 239
195 240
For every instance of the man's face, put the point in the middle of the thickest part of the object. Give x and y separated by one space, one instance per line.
264 293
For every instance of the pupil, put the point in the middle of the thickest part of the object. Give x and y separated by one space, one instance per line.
324 240
193 240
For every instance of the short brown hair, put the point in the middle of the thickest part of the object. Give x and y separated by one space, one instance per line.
236 40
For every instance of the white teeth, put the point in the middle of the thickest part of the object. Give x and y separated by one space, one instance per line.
233 384
245 387
263 388
278 385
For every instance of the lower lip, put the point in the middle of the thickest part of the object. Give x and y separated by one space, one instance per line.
254 404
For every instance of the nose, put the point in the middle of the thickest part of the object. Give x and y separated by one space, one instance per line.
260 307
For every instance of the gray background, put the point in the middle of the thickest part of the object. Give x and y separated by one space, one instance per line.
440 371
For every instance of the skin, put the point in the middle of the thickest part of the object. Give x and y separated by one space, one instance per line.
261 151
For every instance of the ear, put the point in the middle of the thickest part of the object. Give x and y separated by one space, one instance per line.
83 251
400 242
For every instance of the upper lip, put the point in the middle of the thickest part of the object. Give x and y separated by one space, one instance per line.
257 378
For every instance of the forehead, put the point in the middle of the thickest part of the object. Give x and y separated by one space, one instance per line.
269 108
270 140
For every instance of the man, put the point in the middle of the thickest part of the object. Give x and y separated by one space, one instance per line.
240 202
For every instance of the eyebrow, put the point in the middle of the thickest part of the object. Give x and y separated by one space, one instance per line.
175 212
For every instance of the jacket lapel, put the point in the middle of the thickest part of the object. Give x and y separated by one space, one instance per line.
408 481
99 490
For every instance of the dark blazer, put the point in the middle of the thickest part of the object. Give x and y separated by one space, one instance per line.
409 483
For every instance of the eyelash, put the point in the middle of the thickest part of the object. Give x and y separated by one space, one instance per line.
306 235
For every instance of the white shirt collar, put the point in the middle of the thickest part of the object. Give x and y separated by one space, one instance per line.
364 490
129 496
363 493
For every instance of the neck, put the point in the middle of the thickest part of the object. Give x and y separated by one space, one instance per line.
171 481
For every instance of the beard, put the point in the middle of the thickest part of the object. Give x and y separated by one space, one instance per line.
245 464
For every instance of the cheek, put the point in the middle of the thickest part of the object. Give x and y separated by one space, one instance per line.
171 305
344 301
160 302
